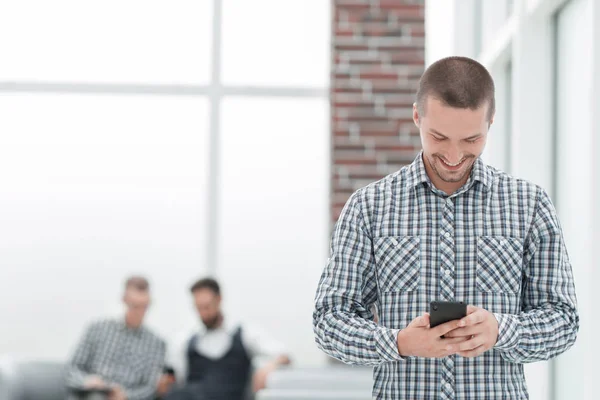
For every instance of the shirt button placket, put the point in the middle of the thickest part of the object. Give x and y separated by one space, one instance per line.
447 290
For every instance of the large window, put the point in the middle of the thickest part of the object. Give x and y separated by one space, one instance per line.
172 139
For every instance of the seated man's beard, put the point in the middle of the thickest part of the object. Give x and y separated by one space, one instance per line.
213 322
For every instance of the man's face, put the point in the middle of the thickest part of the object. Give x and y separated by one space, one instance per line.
452 139
208 304
137 303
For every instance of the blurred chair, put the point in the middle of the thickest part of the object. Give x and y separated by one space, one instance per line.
32 381
339 378
283 394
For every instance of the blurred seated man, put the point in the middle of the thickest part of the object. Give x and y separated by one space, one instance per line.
215 363
119 359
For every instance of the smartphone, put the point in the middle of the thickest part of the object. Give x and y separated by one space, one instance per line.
444 311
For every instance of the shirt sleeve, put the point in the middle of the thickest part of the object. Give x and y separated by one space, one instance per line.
549 321
78 368
259 344
342 319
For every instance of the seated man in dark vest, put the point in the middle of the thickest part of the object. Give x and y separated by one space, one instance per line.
215 363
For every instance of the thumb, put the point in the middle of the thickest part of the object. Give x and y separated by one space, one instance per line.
422 320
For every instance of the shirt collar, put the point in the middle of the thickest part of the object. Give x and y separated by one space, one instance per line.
125 328
418 175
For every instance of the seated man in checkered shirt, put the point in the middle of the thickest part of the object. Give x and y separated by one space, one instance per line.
448 227
120 357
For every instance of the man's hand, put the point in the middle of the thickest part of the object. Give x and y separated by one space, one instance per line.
164 384
419 340
94 382
259 380
117 393
480 330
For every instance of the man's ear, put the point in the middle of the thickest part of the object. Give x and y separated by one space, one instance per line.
416 117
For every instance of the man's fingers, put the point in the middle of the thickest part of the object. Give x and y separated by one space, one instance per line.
444 328
463 332
474 318
470 344
471 309
451 341
472 353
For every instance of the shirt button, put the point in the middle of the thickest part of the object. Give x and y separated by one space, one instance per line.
447 234
448 272
448 386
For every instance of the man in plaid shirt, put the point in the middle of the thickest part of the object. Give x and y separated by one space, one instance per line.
120 356
449 228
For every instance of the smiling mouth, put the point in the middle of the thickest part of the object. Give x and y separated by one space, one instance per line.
453 166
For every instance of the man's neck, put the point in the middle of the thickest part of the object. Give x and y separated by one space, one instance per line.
128 325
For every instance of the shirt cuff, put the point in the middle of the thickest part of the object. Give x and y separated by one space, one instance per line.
386 344
508 332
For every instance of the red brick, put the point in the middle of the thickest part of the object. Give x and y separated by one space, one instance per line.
408 85
344 32
397 157
366 62
367 172
341 75
408 57
391 147
368 129
418 31
348 157
404 12
352 4
397 100
374 74
352 101
347 90
396 5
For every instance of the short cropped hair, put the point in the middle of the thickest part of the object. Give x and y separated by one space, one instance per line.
206 283
458 82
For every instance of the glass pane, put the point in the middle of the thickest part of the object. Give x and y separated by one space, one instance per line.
133 41
276 43
273 219
92 189
498 148
493 19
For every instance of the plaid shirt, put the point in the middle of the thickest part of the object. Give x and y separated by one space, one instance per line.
400 243
131 358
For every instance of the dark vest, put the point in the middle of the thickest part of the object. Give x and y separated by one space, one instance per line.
225 378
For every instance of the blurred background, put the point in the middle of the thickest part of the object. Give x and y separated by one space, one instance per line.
189 138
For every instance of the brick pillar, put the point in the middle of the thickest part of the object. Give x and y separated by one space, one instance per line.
378 57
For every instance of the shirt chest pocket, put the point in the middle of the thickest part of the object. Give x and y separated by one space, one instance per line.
499 264
398 261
